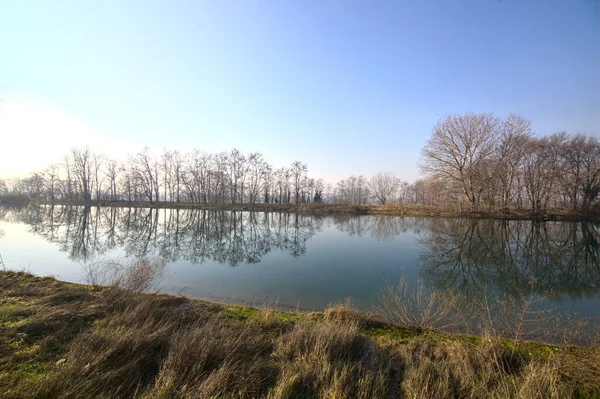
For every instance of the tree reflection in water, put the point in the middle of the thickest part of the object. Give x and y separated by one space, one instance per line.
464 254
474 254
196 236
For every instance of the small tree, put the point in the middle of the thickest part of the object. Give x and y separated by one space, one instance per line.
384 186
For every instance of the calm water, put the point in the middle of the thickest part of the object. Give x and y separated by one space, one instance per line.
307 261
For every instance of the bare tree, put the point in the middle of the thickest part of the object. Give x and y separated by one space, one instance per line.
112 172
97 161
51 177
458 149
257 170
319 187
383 186
172 170
66 184
82 171
541 169
268 184
237 172
516 133
298 172
144 172
581 174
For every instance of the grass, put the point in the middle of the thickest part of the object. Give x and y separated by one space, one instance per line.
73 341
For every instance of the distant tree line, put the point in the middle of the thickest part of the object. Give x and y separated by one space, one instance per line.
196 177
472 162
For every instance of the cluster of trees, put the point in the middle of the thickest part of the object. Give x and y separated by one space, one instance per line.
195 177
382 188
481 161
198 177
471 162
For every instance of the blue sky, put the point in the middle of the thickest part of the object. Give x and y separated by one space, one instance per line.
349 87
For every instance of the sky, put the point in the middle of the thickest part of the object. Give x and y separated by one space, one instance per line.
348 87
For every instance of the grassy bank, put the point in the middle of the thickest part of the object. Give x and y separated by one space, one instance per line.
330 209
66 340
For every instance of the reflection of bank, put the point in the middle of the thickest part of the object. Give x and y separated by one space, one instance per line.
229 237
380 227
506 256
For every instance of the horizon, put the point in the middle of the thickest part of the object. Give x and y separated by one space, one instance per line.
346 90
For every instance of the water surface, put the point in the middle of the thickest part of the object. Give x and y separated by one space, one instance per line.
308 262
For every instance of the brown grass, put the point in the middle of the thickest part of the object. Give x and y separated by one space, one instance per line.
71 341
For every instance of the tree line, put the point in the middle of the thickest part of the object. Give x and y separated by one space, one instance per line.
196 177
471 162
482 161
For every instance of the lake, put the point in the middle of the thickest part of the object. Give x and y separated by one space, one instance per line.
308 262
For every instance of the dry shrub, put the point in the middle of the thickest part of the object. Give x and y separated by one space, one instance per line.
527 317
137 275
522 317
141 275
571 328
423 308
126 280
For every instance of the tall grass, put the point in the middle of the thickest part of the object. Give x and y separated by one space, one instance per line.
72 345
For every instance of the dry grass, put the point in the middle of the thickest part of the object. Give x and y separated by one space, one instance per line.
346 312
69 341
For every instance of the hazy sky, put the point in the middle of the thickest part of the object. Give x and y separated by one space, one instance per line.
349 87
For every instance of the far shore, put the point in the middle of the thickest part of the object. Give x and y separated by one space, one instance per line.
338 209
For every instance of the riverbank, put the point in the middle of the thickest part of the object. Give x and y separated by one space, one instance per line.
66 340
341 209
